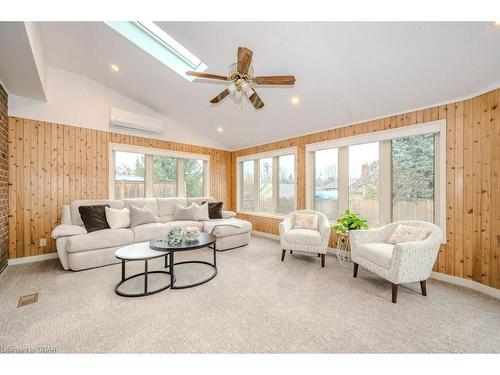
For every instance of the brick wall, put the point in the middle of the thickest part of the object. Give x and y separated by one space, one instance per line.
4 182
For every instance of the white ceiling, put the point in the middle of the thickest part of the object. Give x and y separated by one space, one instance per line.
346 72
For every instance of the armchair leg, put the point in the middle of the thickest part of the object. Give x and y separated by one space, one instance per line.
394 293
283 252
322 260
423 286
355 270
319 255
291 251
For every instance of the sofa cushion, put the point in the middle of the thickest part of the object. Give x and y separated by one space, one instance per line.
202 212
227 227
118 218
94 217
185 223
186 213
199 200
99 240
76 219
165 219
139 216
304 237
215 210
166 206
146 232
376 253
143 202
405 233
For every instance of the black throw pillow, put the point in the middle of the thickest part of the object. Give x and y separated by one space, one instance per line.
214 210
94 217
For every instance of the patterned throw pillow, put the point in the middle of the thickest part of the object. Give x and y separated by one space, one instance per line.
306 221
405 233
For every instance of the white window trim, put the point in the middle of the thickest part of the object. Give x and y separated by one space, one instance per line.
432 127
258 156
151 151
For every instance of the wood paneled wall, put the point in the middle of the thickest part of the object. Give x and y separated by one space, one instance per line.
472 174
51 165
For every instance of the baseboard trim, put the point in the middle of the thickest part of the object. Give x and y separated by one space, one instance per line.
466 283
455 280
31 259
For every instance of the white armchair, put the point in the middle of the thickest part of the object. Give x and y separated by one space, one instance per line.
305 240
402 263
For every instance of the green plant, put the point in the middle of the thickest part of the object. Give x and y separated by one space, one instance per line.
349 221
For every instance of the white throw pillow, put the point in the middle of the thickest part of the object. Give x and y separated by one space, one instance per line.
186 213
202 214
117 218
306 221
405 233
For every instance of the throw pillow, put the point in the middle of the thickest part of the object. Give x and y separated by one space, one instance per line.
405 233
140 216
186 213
306 221
118 218
202 214
214 210
94 217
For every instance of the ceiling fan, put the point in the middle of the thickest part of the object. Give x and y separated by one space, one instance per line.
241 77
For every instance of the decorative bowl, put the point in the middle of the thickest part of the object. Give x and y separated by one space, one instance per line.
191 233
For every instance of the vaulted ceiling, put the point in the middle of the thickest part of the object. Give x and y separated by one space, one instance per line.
346 72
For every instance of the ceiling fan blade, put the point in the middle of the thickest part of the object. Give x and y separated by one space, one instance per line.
256 101
206 75
219 97
244 59
275 80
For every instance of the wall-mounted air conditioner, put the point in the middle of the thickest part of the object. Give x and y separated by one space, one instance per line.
134 121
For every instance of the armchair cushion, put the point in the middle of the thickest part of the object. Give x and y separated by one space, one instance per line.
376 253
304 237
306 221
405 233
66 230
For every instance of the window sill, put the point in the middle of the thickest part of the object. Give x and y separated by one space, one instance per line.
263 214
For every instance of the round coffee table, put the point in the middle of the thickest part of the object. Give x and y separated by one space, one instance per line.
137 252
202 241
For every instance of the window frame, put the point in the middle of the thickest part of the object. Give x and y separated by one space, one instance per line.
149 152
239 183
438 128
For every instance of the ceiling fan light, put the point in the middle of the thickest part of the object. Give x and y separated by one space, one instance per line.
231 88
247 89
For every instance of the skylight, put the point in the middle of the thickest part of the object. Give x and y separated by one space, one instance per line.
160 45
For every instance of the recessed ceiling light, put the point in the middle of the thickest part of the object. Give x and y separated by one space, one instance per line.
114 68
220 130
295 100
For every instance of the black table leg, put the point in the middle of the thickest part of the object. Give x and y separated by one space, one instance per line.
171 269
215 257
146 276
123 270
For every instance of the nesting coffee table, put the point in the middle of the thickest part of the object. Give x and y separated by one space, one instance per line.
202 241
157 248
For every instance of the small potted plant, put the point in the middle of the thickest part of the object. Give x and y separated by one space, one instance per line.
345 223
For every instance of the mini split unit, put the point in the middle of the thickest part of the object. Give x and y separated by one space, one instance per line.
134 121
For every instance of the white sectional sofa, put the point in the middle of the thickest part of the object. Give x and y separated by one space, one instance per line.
78 250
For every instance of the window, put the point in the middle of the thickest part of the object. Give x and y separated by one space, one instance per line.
385 176
129 175
287 186
326 192
150 172
413 178
155 41
364 181
267 183
164 176
193 177
248 186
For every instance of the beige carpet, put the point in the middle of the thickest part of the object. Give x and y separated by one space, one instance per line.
256 304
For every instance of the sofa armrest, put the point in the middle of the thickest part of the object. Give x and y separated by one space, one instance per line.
228 214
67 230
